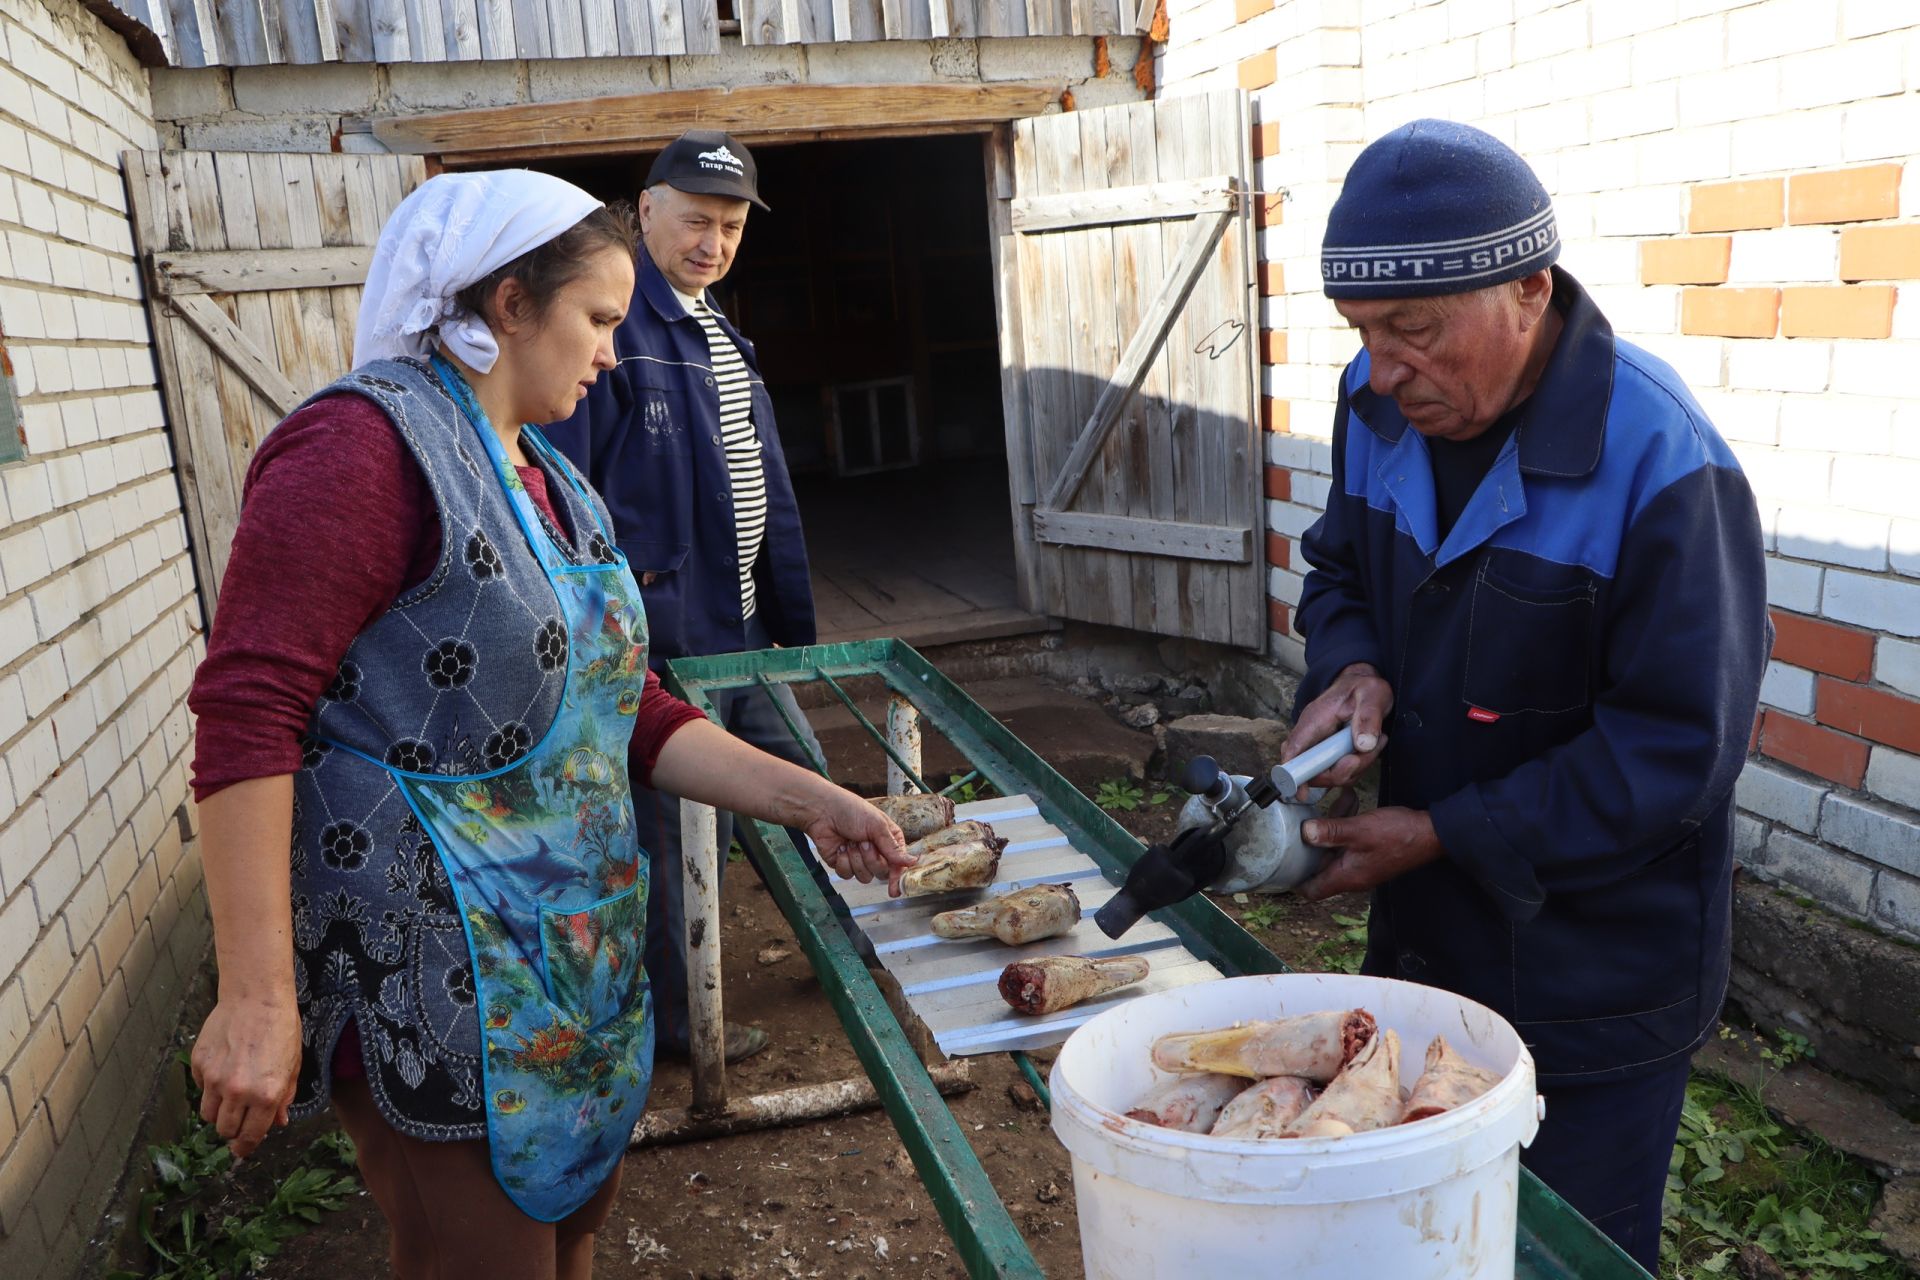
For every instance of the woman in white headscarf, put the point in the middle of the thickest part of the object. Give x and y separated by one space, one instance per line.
427 672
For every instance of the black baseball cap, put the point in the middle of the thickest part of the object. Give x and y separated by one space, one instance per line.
709 163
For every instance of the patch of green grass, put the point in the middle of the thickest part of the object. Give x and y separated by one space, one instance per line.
1344 952
198 1225
1737 1178
1119 793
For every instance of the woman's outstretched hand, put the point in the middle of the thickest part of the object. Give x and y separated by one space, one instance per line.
857 840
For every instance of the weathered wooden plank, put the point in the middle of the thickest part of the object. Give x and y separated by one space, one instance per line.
868 21
642 121
1127 477
155 214
1150 537
1143 202
334 210
1216 338
367 212
223 272
460 21
601 27
998 149
635 23
1103 343
495 20
393 30
702 21
1244 486
1170 148
1147 416
299 27
1175 290
209 384
353 29
1049 354
223 335
1003 17
313 305
532 37
191 46
1049 17
244 416
568 36
243 33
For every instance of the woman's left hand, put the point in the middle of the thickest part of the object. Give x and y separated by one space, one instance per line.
857 840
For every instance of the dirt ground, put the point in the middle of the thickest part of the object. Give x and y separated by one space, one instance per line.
835 1198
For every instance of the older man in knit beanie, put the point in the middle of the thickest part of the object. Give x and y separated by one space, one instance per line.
1538 597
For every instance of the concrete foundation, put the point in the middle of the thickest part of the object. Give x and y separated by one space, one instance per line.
1846 988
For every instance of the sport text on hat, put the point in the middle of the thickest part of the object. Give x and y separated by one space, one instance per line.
1436 207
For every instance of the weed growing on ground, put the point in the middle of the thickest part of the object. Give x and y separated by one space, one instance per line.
1738 1180
1343 953
1119 793
965 790
192 1225
1263 915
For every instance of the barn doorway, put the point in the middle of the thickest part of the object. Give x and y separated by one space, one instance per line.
868 292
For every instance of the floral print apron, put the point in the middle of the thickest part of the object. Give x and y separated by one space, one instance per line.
552 884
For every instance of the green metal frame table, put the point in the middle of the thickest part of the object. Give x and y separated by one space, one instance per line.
1555 1242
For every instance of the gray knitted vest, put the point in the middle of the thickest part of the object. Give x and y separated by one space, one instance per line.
462 675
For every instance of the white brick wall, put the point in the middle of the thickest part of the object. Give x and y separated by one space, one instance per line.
100 915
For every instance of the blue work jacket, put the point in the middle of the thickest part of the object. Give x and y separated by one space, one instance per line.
1575 670
648 436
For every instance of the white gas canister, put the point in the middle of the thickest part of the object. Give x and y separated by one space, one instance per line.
1265 851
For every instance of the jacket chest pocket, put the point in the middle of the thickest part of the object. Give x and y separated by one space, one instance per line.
660 424
1529 638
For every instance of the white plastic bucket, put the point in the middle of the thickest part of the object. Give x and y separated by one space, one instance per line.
1432 1200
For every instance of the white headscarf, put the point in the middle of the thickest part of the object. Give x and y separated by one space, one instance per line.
454 229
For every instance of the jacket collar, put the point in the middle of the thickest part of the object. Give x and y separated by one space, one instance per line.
1564 421
656 290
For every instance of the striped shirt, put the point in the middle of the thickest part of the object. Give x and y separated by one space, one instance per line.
746 474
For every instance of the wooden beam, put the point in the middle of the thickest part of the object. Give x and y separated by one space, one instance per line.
255 269
1141 348
457 160
233 346
644 121
1148 202
1151 537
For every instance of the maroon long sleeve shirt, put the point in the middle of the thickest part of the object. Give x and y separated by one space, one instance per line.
337 523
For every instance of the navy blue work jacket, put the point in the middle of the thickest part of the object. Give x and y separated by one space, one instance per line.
1575 670
648 436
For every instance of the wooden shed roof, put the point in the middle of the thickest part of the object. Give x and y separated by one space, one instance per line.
206 33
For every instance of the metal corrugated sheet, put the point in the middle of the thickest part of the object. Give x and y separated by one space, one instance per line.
954 985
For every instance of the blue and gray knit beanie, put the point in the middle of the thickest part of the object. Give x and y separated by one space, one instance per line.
1436 207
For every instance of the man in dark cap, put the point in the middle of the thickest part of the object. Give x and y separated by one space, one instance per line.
1540 578
680 441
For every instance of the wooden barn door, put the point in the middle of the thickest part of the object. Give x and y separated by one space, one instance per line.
253 264
1128 341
